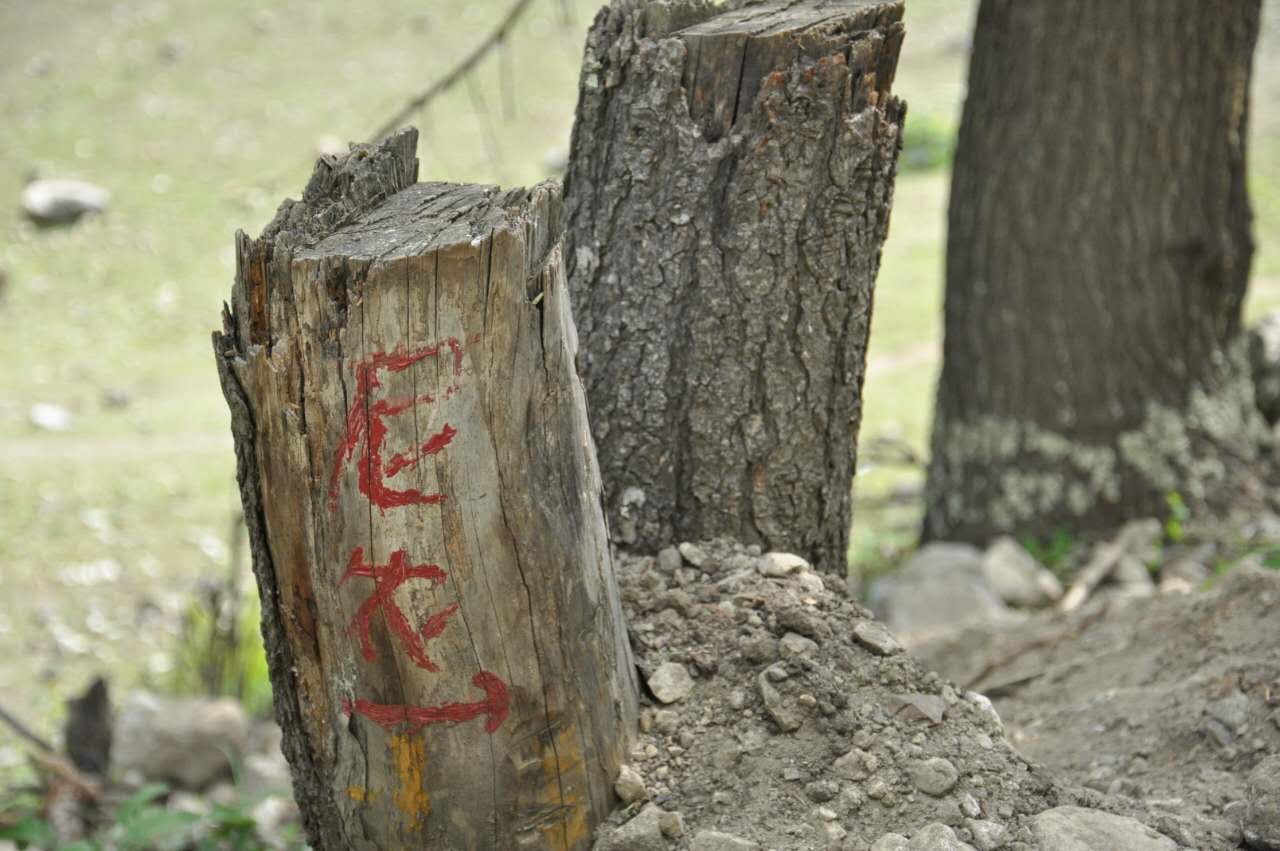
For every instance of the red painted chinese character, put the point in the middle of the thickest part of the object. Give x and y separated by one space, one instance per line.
367 429
386 579
494 708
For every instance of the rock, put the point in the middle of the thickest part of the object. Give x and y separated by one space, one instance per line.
642 833
1078 829
918 707
670 682
987 835
786 716
935 777
1262 818
714 840
940 589
1016 577
49 417
631 504
272 815
1264 363
188 742
265 774
60 201
669 560
810 582
693 554
793 645
938 837
629 785
890 842
671 824
856 765
782 564
877 638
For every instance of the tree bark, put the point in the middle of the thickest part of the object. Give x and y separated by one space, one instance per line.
444 633
1098 251
728 193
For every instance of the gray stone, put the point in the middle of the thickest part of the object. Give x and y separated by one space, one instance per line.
693 554
877 638
1262 818
670 682
937 837
669 560
714 840
56 202
794 644
1264 362
642 833
940 589
187 742
787 716
856 765
935 777
672 825
782 564
1079 829
629 785
1016 577
987 835
890 842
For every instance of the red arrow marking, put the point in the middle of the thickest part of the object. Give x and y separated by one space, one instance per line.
386 579
496 705
367 427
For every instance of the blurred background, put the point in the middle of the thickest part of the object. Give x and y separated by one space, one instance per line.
120 549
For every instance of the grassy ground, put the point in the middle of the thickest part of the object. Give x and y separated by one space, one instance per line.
199 118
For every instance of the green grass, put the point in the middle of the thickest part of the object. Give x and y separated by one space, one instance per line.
200 118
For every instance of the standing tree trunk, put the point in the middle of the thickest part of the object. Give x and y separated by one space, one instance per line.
444 633
728 193
1097 255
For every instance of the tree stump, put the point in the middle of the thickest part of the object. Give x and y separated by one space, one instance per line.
728 194
444 632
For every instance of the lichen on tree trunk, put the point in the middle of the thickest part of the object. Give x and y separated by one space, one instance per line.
1098 251
443 628
728 193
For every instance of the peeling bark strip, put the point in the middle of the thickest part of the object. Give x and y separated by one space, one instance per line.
727 198
444 634
1098 250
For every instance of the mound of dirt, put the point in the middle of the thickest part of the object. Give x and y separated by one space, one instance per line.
1171 700
781 715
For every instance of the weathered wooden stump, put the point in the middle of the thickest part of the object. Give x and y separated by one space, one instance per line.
728 193
444 631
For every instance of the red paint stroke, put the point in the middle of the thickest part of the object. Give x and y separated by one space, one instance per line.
386 579
367 428
495 707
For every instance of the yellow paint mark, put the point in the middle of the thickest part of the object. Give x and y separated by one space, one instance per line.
409 758
357 793
563 779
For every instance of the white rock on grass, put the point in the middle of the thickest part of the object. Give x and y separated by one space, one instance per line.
1079 829
61 201
670 682
1016 577
188 742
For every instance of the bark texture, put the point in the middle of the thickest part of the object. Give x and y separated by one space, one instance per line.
443 628
1097 255
728 193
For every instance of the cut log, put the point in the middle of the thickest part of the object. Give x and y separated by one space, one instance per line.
444 632
728 194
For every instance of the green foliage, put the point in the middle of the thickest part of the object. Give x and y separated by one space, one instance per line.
143 823
1175 524
1055 551
927 144
220 649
